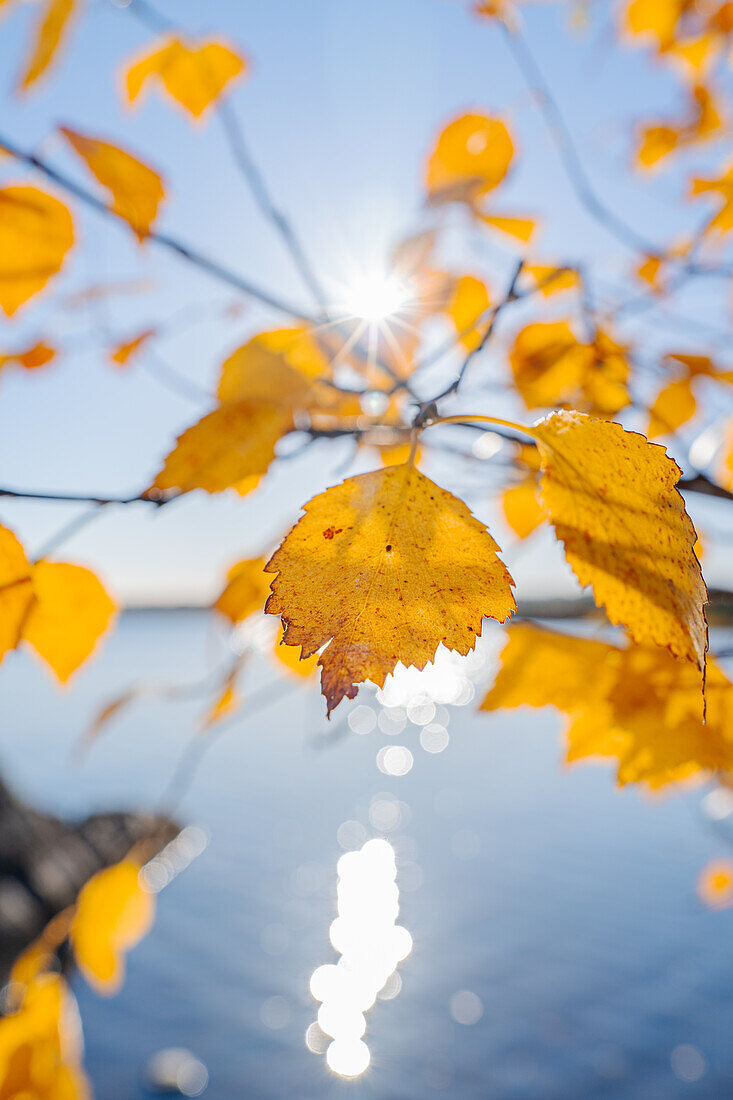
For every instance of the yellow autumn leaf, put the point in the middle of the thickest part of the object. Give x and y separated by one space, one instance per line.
40 1053
382 569
552 367
637 705
229 448
290 657
522 229
649 271
129 348
136 189
225 703
50 33
113 913
68 615
469 302
544 668
521 506
722 187
280 366
470 158
612 499
654 19
194 75
673 406
246 590
36 232
550 279
16 590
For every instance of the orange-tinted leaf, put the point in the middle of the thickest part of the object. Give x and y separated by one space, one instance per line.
550 279
16 590
722 187
50 33
280 366
612 498
32 357
123 352
136 189
194 75
382 569
113 914
40 1051
36 232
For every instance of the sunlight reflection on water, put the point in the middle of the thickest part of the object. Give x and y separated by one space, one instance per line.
371 946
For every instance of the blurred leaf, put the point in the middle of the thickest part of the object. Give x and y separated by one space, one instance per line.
50 34
246 590
192 75
470 158
36 232
113 914
136 189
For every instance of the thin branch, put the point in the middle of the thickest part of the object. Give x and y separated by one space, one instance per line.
567 149
171 244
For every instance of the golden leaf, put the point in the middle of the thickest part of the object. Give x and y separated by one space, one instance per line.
550 279
290 656
136 189
113 913
654 19
470 158
246 590
192 75
40 1056
521 506
229 448
70 612
673 406
722 221
50 34
725 462
382 569
280 366
469 302
552 367
36 232
522 229
16 590
611 496
636 705
225 703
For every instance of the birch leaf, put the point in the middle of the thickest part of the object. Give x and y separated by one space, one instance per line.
382 569
36 232
113 914
611 497
136 189
194 75
50 34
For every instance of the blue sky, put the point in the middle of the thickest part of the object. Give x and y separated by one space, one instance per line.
340 106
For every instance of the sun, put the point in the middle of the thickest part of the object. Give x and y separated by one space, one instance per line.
376 297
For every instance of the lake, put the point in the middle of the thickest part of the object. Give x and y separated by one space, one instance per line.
557 948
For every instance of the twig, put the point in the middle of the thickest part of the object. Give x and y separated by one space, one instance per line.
171 244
